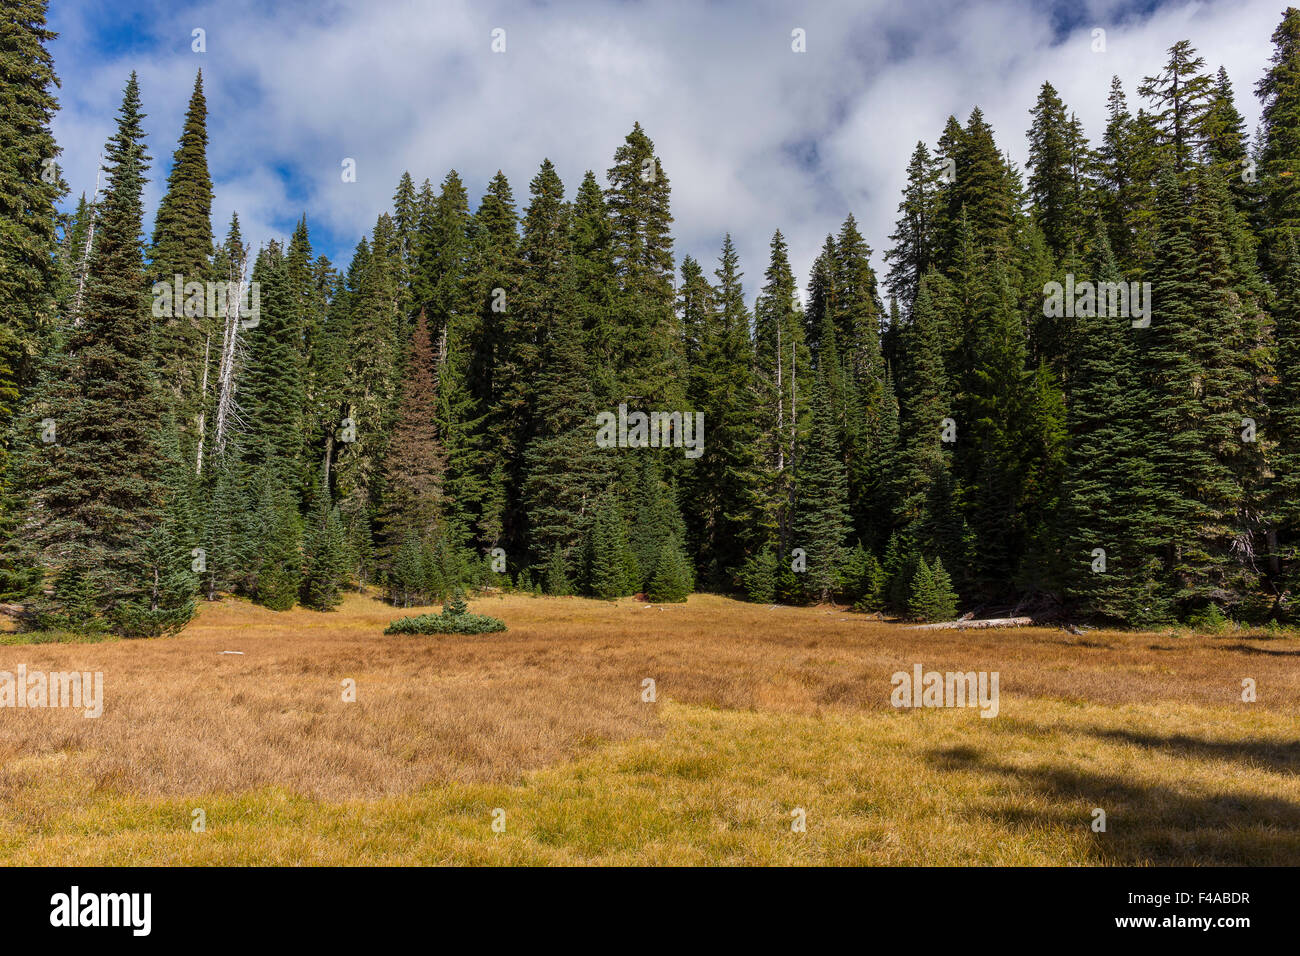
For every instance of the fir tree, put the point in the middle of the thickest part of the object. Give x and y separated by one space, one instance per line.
100 488
608 552
325 557
821 523
555 575
1279 157
913 238
1056 155
1181 95
673 581
182 246
415 461
30 185
279 556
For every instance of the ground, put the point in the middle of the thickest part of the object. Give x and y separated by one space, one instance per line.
759 713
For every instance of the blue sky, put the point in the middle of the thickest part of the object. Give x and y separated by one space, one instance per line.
753 135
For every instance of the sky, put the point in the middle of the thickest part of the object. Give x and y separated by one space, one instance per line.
753 136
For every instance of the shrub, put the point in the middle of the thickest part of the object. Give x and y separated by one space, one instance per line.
758 577
555 577
872 586
932 597
672 580
454 619
1209 618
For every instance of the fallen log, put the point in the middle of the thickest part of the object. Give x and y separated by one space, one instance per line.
964 624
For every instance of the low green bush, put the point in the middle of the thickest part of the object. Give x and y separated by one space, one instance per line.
454 619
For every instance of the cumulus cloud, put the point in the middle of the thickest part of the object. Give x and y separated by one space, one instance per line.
753 136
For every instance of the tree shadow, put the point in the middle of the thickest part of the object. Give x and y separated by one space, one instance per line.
1278 757
1247 649
1146 823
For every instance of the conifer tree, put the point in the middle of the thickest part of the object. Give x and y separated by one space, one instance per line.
230 541
1191 375
1181 95
657 519
1056 155
1284 403
272 391
186 338
646 338
672 581
781 363
913 237
1109 497
595 287
324 555
566 471
555 574
944 607
821 524
1279 157
922 600
415 461
724 481
279 533
542 290
29 188
101 485
1226 148
923 406
609 555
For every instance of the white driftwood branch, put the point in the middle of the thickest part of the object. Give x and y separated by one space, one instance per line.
986 622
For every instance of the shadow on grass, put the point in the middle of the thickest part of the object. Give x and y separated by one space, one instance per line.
1147 823
1278 757
1247 649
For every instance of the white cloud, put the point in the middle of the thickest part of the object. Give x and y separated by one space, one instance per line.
752 135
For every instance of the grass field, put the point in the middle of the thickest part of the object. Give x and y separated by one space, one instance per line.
759 712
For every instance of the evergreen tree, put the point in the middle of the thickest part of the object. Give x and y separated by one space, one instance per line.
100 488
566 470
29 188
724 481
922 599
913 237
325 557
230 541
821 524
415 461
272 392
186 337
1284 402
1279 157
1181 95
1111 499
944 606
1226 148
781 362
555 575
1057 154
279 531
645 335
609 554
673 581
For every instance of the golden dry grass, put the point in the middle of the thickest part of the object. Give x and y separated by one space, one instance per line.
760 711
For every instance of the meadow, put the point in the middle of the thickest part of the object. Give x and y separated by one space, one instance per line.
762 717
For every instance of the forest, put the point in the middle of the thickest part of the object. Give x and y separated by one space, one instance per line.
1071 389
